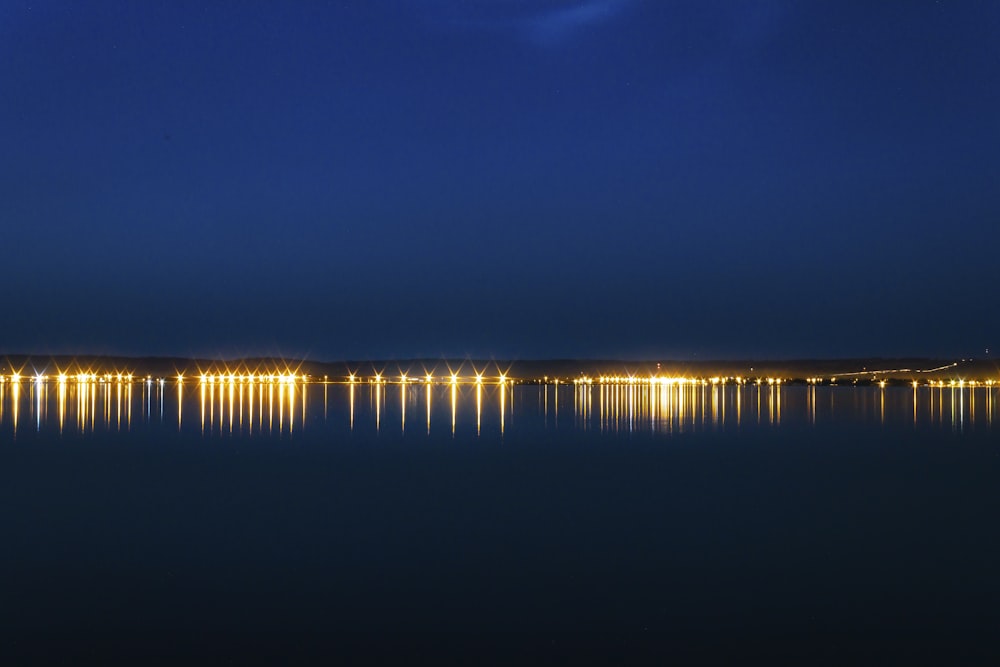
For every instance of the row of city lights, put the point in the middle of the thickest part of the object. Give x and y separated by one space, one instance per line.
668 380
453 378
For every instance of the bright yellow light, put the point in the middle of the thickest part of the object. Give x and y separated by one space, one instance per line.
503 378
429 378
454 378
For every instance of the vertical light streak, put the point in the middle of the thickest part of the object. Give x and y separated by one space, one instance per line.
600 407
576 404
681 413
378 406
739 405
118 405
953 420
972 405
715 406
881 404
352 404
250 392
503 405
614 408
454 406
38 404
232 404
545 407
777 392
402 402
757 391
556 398
82 401
15 395
222 406
62 405
270 407
479 406
702 403
770 404
106 390
961 408
590 403
427 399
281 408
723 399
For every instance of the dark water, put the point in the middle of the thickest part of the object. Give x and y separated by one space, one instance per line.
495 524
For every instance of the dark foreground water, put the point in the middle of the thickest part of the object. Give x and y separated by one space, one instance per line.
489 524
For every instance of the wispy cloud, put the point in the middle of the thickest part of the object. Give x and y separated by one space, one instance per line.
544 22
559 24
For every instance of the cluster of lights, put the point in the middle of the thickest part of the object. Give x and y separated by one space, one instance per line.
251 378
669 380
63 378
429 378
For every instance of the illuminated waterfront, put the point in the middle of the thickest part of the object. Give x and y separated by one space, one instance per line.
286 405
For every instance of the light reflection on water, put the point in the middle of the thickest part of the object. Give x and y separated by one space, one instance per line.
289 408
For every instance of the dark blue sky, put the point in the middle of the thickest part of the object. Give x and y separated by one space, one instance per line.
515 178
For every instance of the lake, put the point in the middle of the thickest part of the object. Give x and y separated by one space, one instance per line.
497 523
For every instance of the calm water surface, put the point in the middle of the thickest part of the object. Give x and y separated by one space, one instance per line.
692 520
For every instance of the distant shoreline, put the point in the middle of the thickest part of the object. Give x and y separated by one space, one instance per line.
824 371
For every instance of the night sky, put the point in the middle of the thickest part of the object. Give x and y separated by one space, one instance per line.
506 178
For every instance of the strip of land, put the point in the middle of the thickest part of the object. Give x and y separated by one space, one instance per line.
825 371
